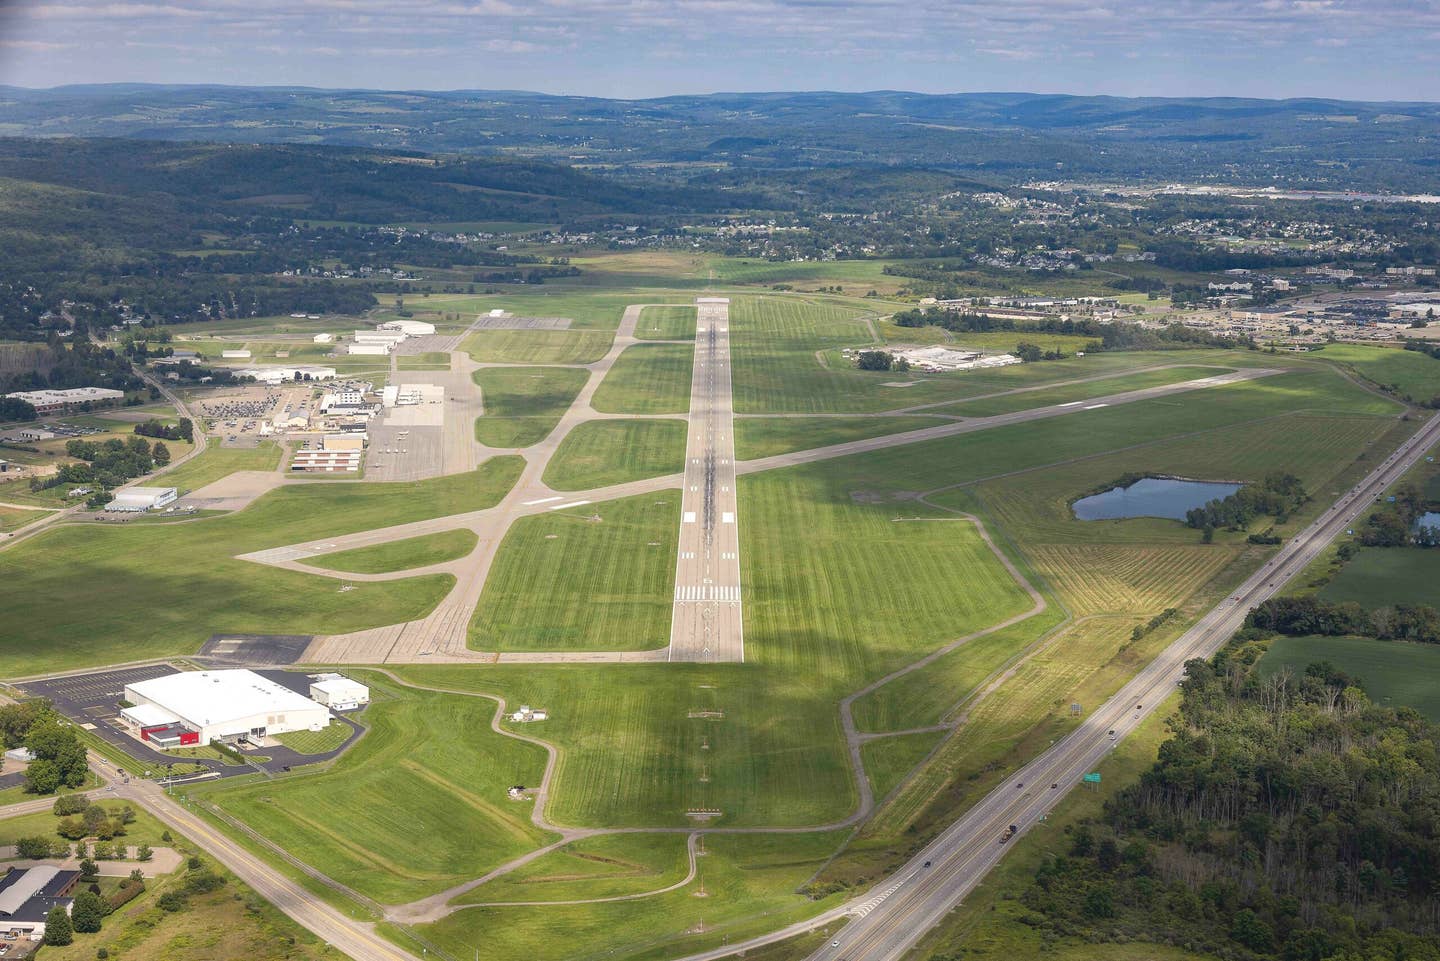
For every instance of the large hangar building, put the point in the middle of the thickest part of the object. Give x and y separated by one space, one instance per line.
202 706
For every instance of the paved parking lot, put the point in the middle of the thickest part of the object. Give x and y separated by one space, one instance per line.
92 701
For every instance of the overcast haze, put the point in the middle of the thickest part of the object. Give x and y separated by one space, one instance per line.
1372 50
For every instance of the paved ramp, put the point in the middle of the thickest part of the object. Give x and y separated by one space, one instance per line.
706 622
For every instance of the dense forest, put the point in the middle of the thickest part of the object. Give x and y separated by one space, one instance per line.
1287 817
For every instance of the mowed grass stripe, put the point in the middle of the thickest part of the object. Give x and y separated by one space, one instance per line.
565 581
666 323
400 555
767 436
825 572
1065 393
648 379
538 346
599 453
523 404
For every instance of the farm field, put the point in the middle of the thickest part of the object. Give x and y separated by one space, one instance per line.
599 453
400 555
217 462
666 323
565 581
1393 673
523 404
767 436
1386 576
538 346
153 590
648 379
411 809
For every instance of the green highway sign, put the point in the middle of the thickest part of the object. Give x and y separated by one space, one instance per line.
1092 778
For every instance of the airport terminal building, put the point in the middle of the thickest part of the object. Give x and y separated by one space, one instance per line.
197 707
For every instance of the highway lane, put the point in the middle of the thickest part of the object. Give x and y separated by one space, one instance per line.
705 623
917 897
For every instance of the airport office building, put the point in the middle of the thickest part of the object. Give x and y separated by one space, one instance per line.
197 707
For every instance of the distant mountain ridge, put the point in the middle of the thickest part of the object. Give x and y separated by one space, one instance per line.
1000 136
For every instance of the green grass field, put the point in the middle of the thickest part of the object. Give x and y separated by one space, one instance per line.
666 323
786 360
598 867
648 379
599 453
146 591
402 555
564 581
1409 373
766 436
411 808
1026 400
889 759
523 404
538 346
430 360
1393 673
316 742
218 462
1386 576
15 517
750 886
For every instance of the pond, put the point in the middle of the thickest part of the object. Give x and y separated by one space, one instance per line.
1151 497
1428 519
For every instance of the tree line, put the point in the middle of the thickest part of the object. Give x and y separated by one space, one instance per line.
1279 495
1287 818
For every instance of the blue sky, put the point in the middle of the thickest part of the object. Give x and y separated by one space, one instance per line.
1361 49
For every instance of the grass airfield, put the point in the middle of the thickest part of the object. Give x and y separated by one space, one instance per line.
854 568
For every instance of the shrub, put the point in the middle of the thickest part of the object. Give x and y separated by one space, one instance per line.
129 891
68 804
172 901
33 849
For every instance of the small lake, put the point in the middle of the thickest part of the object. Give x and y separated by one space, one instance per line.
1151 497
1428 519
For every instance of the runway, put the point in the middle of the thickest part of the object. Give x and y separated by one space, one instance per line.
706 623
